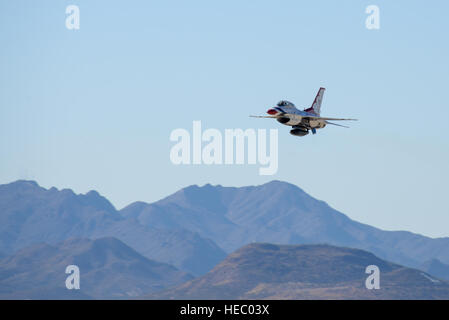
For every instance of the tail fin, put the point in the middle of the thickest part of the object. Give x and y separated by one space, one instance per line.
316 105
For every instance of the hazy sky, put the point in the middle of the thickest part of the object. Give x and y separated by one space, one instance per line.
94 108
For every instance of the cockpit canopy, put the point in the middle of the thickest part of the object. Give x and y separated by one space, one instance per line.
285 103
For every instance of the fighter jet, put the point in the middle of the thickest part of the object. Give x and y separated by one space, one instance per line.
301 122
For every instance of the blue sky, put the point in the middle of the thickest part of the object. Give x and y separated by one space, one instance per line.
93 108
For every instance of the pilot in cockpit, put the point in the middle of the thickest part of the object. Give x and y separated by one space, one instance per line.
284 103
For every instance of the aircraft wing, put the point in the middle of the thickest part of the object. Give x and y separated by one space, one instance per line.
324 118
263 116
336 124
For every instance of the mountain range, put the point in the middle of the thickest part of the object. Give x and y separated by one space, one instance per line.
267 271
30 214
195 228
279 212
109 269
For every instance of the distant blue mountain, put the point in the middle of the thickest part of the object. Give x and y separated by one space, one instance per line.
282 213
30 214
109 269
193 228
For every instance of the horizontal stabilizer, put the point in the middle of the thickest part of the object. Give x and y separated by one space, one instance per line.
336 124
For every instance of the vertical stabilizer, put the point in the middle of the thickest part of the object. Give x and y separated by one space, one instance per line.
316 105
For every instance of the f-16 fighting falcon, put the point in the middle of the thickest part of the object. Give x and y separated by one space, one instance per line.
301 122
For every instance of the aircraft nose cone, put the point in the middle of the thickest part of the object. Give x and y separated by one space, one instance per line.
272 111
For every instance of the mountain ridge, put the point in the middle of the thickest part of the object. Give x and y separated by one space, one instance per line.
279 212
109 269
208 220
30 214
268 271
